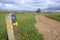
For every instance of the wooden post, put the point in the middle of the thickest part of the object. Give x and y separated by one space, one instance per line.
11 30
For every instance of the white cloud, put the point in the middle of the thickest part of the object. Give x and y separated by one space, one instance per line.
0 4
9 5
22 1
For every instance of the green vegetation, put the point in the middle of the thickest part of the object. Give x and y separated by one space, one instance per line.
3 32
26 23
55 16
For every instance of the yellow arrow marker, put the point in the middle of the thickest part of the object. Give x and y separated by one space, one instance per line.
8 25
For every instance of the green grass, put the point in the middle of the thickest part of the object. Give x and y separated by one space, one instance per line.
55 16
27 30
3 33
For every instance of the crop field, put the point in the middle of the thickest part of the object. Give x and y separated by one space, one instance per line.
26 23
55 16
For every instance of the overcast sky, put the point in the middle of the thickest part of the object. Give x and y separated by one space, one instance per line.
30 5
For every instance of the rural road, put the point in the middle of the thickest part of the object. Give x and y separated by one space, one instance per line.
48 27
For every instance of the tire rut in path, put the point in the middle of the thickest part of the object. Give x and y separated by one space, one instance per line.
48 27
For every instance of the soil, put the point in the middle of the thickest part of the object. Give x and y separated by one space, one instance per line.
48 27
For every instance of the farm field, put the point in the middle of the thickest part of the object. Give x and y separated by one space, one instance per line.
26 23
55 15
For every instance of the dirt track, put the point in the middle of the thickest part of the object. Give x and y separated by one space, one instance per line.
48 27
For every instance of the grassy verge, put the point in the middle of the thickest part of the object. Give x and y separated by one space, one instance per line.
3 32
27 30
55 16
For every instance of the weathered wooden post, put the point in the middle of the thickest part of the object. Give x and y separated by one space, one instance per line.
12 28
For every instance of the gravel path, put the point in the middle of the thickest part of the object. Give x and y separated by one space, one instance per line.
48 27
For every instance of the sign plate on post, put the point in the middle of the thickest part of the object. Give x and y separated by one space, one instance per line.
11 29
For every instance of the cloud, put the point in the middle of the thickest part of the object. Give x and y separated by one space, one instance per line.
9 5
0 4
30 4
